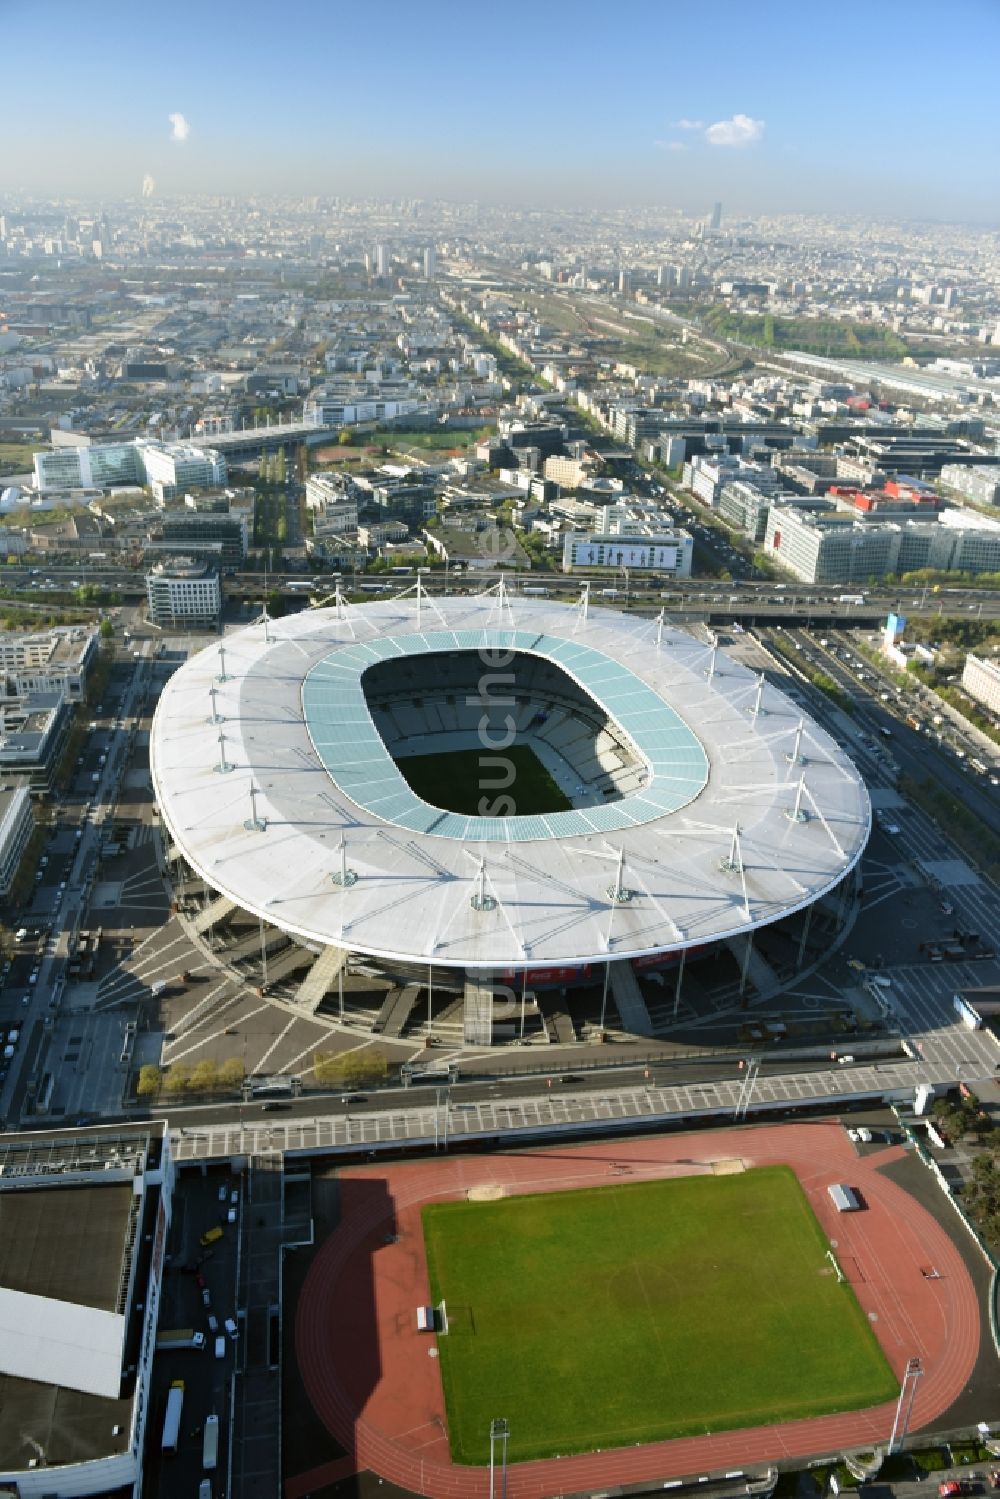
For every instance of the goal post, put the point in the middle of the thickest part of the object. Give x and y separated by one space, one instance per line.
833 1261
443 1316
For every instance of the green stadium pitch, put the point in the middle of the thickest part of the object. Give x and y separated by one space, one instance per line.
633 1313
457 782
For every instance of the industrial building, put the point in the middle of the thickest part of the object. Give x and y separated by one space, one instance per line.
83 1229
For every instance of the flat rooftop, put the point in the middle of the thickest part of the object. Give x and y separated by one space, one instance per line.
65 1243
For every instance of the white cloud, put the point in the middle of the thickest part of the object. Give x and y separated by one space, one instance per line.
179 127
689 125
741 130
670 145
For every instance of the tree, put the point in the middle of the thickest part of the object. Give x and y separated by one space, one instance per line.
327 1067
231 1072
107 629
205 1077
149 1081
178 1079
345 437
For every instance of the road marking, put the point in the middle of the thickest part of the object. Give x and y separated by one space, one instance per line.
274 1044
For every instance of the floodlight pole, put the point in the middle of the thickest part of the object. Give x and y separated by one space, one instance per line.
499 1432
795 757
907 1395
659 628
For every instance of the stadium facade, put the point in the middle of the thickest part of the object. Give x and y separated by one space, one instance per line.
694 806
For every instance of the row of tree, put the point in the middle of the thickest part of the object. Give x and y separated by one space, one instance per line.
346 1069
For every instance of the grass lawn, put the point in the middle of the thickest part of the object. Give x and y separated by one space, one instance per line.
456 782
627 1314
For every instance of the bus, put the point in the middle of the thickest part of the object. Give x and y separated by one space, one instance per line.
210 1445
172 1419
978 767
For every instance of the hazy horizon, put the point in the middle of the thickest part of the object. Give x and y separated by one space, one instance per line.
775 111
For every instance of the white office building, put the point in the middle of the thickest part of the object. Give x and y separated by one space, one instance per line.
55 660
979 484
183 593
824 545
663 551
169 467
16 822
981 680
173 468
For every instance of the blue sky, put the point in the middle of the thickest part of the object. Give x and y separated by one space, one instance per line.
884 108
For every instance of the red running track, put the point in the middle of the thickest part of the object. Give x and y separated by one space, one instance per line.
381 1397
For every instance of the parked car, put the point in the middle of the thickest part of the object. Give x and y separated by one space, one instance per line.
231 1328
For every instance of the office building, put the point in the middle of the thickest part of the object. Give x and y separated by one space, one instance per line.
821 544
981 680
55 660
172 468
381 260
16 823
89 467
430 263
663 552
745 506
980 484
83 1230
33 732
715 218
184 593
189 531
169 468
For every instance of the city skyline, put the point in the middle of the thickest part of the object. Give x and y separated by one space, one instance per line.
782 114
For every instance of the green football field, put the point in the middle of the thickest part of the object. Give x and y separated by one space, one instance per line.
632 1313
458 781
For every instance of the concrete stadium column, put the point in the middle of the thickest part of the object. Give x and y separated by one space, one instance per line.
807 923
680 976
477 1017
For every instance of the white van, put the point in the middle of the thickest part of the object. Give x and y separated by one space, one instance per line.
220 1347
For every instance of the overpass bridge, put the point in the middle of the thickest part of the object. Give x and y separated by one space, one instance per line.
250 442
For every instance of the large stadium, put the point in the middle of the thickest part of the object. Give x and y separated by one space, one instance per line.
487 794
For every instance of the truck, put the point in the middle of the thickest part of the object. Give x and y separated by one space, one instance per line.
210 1444
179 1337
172 1419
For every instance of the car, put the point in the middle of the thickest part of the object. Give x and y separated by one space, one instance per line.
231 1216
234 1196
273 1107
865 1135
213 1322
231 1328
352 1098
571 1077
220 1346
223 1192
206 1297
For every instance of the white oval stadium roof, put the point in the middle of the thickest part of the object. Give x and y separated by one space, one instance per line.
722 754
